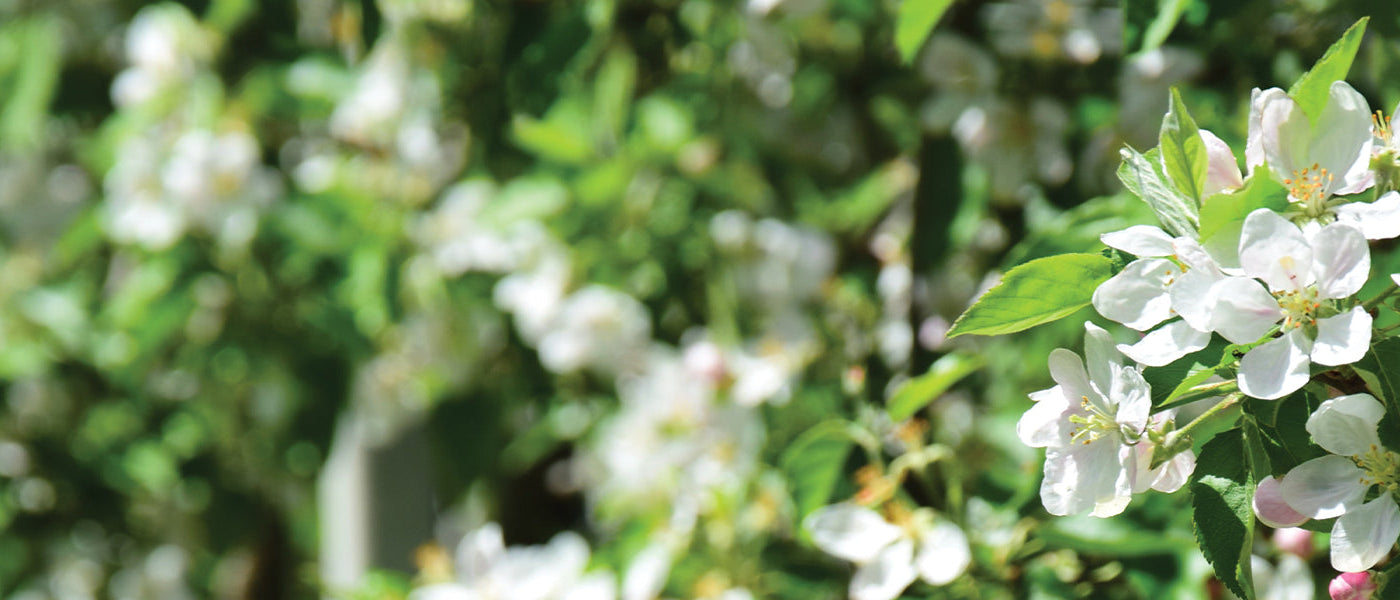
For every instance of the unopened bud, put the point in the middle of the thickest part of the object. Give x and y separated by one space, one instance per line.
1295 541
1352 586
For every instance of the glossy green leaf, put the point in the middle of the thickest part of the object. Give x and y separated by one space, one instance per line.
1142 175
1222 493
1040 291
919 391
1311 90
916 19
1183 150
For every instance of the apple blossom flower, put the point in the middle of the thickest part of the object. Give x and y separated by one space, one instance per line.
890 556
488 570
1336 485
1303 277
1290 579
1170 278
1095 427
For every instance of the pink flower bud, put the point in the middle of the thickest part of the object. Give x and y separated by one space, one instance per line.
1270 507
1295 541
1351 586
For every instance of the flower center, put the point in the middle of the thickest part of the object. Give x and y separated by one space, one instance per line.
1382 468
1309 187
1300 307
1096 424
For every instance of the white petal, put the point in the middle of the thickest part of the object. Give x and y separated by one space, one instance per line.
647 573
1343 260
1140 240
1346 425
886 576
1284 132
1222 170
1254 140
1100 357
1137 295
444 591
1047 422
1292 580
1342 134
943 553
1364 535
1079 476
1342 339
1273 249
1244 310
1271 508
1277 367
478 551
1324 487
1132 396
1067 369
1379 220
1166 344
1190 296
848 531
599 585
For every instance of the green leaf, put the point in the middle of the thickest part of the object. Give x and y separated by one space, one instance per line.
814 463
1176 378
1220 211
1108 537
919 391
1040 291
1183 150
1168 14
916 19
1312 89
1390 582
1222 490
1142 175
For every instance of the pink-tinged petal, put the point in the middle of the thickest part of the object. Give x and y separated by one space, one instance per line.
1047 422
1244 310
1274 250
885 577
850 531
1067 369
1285 133
1346 425
1343 260
1379 220
1166 344
1174 473
1292 540
1137 295
1222 170
1271 508
1140 240
1364 535
1324 487
1342 339
1352 586
1277 367
943 553
1341 138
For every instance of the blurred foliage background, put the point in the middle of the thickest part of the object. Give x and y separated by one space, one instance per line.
233 231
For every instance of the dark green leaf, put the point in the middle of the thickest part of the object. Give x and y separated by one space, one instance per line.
1142 175
1222 490
919 391
1039 291
1312 89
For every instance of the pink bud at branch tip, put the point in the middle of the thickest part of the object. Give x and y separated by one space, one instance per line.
1351 586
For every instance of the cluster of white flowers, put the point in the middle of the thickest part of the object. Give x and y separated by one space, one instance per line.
890 556
1283 285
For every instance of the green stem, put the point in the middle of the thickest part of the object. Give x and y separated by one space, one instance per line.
1374 302
1180 440
1201 392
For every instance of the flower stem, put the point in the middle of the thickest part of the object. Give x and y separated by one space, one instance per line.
1180 440
1374 302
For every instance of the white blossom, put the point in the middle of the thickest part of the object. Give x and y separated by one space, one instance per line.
890 557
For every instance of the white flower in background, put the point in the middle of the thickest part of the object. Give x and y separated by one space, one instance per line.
165 48
1320 159
890 557
1336 485
456 237
488 570
1018 142
1094 426
219 182
963 75
1171 277
1303 275
1290 579
599 328
534 293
